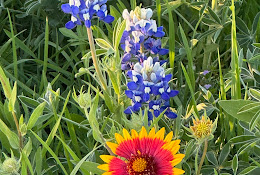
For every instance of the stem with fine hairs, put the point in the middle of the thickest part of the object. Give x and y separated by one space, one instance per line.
203 156
95 60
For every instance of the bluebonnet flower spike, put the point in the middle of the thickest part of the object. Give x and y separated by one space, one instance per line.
84 11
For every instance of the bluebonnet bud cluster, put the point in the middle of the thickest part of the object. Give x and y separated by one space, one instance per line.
149 87
139 36
84 11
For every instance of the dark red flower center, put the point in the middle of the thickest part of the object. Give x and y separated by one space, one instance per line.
141 165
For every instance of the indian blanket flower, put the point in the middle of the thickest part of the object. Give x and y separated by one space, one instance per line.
202 128
138 37
143 153
149 86
84 11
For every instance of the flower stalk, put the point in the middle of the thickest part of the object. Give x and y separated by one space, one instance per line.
94 58
203 156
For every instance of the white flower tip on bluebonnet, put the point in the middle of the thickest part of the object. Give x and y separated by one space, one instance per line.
128 25
156 107
153 77
96 7
153 25
147 90
137 67
146 13
149 13
156 66
161 90
86 16
138 98
71 2
73 19
126 15
137 35
135 79
127 48
77 3
144 75
142 22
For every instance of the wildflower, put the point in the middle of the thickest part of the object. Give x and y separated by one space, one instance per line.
138 37
143 153
202 129
207 86
154 46
84 10
205 72
149 86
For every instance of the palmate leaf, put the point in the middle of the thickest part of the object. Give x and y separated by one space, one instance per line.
233 108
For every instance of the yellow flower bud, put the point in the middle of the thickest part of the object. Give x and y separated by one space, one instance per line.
202 128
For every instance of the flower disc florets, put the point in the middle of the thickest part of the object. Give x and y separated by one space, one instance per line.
202 128
149 86
85 10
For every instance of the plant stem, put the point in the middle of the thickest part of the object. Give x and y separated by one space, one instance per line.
18 130
203 156
95 60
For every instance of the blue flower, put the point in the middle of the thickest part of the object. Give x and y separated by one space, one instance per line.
138 36
149 87
207 86
205 72
154 46
82 10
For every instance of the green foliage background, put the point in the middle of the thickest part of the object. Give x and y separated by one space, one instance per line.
62 110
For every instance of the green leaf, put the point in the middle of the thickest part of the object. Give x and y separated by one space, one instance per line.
93 120
254 121
35 115
119 32
81 162
113 78
224 153
243 139
12 137
256 45
5 83
254 59
91 167
28 148
214 15
68 33
235 164
255 93
51 152
232 107
13 98
189 57
247 170
103 44
212 158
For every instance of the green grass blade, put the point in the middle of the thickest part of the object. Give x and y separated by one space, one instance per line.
171 37
191 90
235 85
45 61
221 80
14 47
189 57
45 145
159 11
